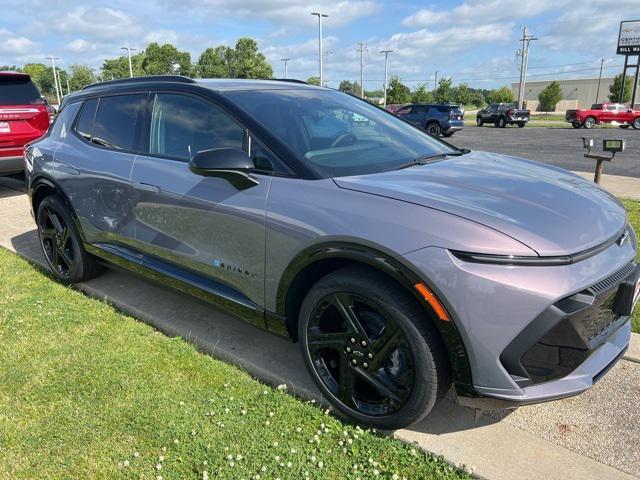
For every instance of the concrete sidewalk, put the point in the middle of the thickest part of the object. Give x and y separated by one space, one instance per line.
622 187
503 445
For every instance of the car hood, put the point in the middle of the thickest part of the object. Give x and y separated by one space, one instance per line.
551 210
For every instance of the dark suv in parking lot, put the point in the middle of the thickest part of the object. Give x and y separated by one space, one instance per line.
401 264
436 119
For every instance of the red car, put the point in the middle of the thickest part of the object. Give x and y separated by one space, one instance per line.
24 117
615 113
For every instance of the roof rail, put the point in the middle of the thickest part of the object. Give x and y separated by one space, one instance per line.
147 78
292 80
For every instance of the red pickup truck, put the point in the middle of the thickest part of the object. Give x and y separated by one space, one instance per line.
614 113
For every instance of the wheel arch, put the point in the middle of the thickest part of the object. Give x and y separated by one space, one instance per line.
313 263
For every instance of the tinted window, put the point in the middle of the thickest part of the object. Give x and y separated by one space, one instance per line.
116 118
421 109
18 91
444 108
63 120
596 106
85 122
337 134
404 110
612 108
182 125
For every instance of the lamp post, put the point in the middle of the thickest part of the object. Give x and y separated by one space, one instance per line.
320 17
128 49
386 59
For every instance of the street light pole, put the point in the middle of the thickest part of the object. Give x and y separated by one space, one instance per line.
320 17
55 76
361 46
386 59
524 61
285 60
128 49
599 79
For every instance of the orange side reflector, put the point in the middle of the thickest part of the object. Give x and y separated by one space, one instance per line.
433 301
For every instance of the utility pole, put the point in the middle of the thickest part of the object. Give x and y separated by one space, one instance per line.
128 49
66 77
285 60
435 81
55 76
320 17
599 78
386 59
524 60
361 47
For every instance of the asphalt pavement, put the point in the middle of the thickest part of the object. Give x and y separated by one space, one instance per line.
557 146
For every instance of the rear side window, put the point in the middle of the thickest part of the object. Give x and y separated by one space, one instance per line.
182 125
18 91
116 120
63 120
84 127
421 109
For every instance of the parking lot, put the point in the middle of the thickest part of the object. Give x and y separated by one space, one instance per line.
558 146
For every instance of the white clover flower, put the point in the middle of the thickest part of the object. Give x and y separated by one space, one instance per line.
271 414
256 477
344 450
205 475
313 458
326 430
413 451
375 464
125 463
243 412
193 433
327 411
238 457
161 458
345 433
159 466
370 460
316 438
341 443
231 464
376 472
282 387
277 458
159 477
205 463
394 476
136 454
263 468
320 464
226 410
306 474
231 398
181 403
226 385
164 449
298 429
265 392
289 464
275 444
293 450
267 423
349 441
229 457
176 441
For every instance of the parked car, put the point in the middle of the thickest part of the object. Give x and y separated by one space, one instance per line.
394 107
502 114
400 263
436 119
602 113
24 116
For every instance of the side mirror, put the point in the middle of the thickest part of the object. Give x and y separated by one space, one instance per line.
229 163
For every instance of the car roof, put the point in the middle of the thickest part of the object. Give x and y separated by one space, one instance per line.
11 73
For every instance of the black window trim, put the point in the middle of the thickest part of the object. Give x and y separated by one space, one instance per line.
146 125
136 137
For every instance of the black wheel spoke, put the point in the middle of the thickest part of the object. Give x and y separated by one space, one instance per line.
64 237
47 232
344 303
346 390
317 339
57 224
64 255
387 344
383 388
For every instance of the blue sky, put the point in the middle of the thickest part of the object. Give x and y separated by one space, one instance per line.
471 41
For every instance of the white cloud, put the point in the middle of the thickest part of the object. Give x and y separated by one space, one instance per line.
80 45
98 22
162 36
14 45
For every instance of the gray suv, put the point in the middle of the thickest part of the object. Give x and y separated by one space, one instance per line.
401 264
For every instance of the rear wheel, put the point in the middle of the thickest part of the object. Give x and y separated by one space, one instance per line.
479 121
433 129
521 124
371 350
576 125
589 122
448 134
501 122
62 244
636 123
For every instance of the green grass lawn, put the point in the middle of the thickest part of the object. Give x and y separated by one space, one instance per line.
86 392
633 208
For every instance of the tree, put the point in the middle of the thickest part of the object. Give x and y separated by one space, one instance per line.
81 76
119 67
165 59
349 87
42 76
614 89
550 96
313 80
397 92
501 95
422 95
464 95
444 92
248 62
214 62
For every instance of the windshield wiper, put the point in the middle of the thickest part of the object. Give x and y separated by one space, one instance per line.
429 159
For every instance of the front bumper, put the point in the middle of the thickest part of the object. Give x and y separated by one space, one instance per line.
526 334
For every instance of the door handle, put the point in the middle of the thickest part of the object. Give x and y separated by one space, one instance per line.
147 187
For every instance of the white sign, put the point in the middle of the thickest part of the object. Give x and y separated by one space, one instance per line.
629 38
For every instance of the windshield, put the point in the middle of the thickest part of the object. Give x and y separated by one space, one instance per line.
337 134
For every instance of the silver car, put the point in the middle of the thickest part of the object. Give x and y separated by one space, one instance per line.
400 263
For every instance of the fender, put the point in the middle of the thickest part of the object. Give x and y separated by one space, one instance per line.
393 265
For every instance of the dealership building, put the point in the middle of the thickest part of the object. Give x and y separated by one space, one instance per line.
576 93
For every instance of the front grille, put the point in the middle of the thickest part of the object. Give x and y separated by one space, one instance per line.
612 280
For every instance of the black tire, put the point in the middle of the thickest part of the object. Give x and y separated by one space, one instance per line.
521 124
448 134
589 122
624 126
433 128
418 351
61 243
576 125
501 122
479 121
636 123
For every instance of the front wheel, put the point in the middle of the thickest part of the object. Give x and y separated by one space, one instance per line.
636 123
576 125
624 126
521 124
434 129
589 122
372 349
501 122
61 243
479 122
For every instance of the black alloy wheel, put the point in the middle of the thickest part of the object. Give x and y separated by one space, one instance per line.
434 129
479 121
61 243
501 123
372 349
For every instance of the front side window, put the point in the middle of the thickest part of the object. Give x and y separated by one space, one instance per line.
182 126
116 120
337 134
